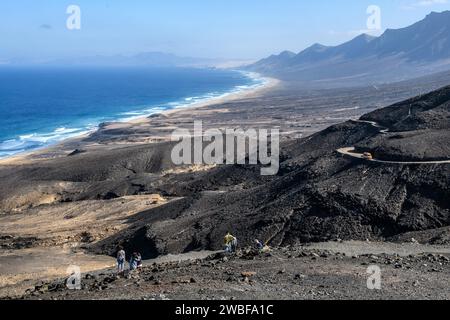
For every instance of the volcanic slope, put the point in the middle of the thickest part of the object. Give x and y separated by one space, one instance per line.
318 194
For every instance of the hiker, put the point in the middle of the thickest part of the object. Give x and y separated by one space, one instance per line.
138 260
120 260
259 245
133 261
230 243
266 248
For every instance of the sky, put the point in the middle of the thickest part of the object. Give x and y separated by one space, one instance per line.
228 29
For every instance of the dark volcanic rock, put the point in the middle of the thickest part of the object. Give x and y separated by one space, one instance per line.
318 194
12 242
419 129
430 111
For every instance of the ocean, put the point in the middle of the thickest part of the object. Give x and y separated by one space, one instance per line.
40 106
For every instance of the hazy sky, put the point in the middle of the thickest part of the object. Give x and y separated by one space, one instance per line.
245 29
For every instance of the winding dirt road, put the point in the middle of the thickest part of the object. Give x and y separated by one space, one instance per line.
350 151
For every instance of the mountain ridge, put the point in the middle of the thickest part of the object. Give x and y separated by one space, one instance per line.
397 54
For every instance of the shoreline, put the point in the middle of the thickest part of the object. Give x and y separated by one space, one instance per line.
270 83
252 91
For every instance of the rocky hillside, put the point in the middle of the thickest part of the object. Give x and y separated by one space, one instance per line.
419 129
318 195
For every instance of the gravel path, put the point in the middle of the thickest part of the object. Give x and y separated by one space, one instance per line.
350 151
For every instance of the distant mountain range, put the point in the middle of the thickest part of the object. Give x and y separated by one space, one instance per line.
155 59
419 49
149 59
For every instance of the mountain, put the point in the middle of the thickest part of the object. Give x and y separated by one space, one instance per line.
396 55
276 60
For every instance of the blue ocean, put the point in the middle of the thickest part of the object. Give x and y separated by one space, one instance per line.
41 106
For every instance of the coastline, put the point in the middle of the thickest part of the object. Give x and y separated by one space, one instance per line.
42 153
269 83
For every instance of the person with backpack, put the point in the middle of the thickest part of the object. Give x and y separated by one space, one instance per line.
138 259
230 243
259 245
133 262
120 260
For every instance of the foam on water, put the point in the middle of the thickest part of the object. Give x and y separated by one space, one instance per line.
37 140
256 79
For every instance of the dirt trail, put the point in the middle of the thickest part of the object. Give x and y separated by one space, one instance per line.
298 272
350 151
21 269
170 258
353 248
